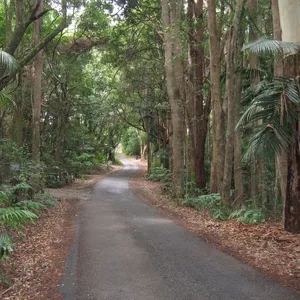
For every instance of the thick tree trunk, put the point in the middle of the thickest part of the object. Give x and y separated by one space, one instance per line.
233 53
281 159
217 168
289 11
111 155
171 15
255 170
292 205
37 92
197 112
239 194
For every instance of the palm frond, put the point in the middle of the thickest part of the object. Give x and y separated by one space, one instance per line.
274 111
250 71
264 45
264 144
8 64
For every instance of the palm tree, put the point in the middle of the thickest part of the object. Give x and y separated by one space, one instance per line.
276 104
8 69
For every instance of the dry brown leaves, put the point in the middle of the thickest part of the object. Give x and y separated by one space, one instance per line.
266 247
36 266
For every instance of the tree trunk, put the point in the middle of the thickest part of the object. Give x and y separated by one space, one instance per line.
217 168
9 10
255 171
171 16
149 156
233 51
281 159
37 92
197 112
289 11
239 194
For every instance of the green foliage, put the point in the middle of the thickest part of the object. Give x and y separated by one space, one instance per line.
45 199
264 45
202 202
159 174
4 199
6 246
8 65
130 142
6 101
33 174
248 215
222 213
31 205
275 107
15 217
101 158
22 188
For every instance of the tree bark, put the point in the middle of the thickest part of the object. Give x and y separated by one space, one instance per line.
289 11
197 111
171 16
281 159
37 89
239 193
233 51
217 168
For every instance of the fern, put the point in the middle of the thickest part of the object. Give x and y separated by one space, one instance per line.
31 205
6 246
221 213
23 186
159 174
47 200
204 201
248 215
16 217
4 199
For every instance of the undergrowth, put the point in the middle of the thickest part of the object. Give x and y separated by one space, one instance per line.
159 174
219 211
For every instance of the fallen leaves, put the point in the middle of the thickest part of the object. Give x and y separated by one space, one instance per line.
36 266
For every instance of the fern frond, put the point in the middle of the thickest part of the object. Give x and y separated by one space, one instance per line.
16 217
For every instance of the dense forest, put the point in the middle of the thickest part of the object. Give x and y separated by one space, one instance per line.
206 91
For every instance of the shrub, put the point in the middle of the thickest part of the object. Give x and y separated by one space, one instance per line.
101 158
31 205
5 199
222 213
159 174
47 200
249 215
15 216
204 201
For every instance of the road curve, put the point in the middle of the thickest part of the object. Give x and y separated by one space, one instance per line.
124 250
